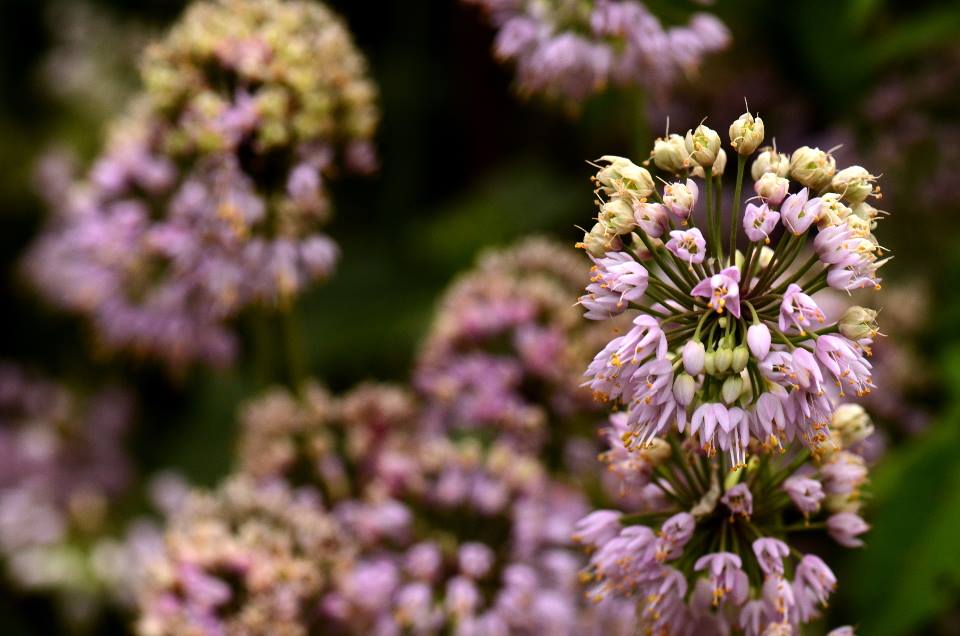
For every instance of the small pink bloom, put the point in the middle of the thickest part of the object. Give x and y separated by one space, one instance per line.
799 212
759 221
722 289
687 245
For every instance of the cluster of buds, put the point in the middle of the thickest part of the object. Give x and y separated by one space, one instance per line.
574 49
729 350
209 196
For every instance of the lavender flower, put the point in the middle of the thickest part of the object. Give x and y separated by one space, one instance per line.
511 325
571 50
209 196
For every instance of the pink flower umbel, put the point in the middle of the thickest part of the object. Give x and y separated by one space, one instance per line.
722 289
729 383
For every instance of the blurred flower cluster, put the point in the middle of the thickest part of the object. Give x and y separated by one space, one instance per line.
210 193
447 520
571 49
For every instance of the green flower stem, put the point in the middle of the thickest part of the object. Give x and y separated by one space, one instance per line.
735 212
813 260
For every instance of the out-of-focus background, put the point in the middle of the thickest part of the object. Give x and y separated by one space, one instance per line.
466 164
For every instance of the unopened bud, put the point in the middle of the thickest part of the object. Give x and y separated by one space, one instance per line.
812 167
766 255
694 356
723 359
758 339
853 424
683 389
769 160
746 134
771 188
855 184
710 363
670 153
739 360
858 323
731 389
702 145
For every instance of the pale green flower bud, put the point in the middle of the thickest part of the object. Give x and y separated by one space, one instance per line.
730 391
710 363
858 323
741 355
812 167
853 424
769 160
617 216
670 153
703 145
723 359
766 255
746 134
855 184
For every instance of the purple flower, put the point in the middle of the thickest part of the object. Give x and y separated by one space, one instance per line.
759 221
805 493
688 245
799 212
845 527
597 528
724 575
722 289
770 554
738 500
651 218
798 310
617 281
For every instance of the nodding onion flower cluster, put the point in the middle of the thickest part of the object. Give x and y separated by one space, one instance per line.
210 194
434 534
728 351
507 348
572 49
